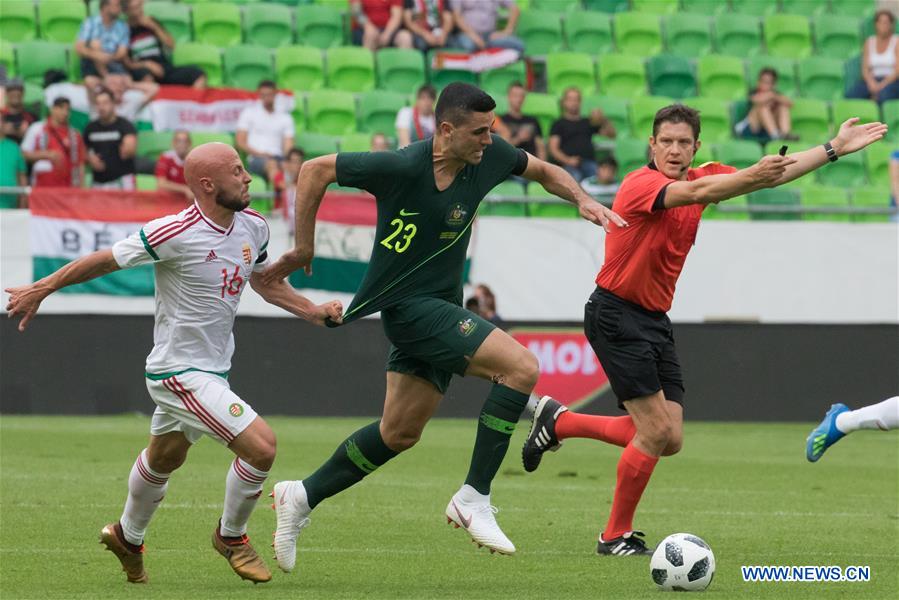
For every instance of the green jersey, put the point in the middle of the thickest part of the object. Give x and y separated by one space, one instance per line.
422 234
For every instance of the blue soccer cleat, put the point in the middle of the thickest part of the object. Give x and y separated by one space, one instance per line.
825 434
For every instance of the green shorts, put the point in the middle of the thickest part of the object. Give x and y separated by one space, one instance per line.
432 338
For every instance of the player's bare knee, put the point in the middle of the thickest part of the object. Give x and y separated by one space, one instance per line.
675 444
526 371
402 439
166 460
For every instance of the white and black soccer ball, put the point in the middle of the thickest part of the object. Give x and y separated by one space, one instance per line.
682 562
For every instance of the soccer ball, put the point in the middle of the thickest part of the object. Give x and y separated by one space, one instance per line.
682 562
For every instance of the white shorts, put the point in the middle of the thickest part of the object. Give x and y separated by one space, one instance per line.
197 403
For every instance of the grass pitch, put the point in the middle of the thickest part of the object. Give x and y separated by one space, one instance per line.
745 488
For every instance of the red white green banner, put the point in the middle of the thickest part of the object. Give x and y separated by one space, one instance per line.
476 62
68 223
212 109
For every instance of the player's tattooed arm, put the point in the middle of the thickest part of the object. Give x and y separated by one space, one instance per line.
279 293
24 301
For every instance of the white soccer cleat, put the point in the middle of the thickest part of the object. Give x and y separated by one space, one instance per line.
292 510
473 512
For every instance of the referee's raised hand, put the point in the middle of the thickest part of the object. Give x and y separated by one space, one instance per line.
770 169
597 213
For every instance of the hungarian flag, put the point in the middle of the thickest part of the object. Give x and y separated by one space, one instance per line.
68 223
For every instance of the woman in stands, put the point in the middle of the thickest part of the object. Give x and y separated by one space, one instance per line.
880 62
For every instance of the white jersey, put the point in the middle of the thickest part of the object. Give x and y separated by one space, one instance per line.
201 271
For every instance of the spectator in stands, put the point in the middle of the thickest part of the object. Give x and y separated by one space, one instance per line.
430 21
379 24
14 118
285 185
880 62
521 130
170 166
487 305
571 136
111 143
102 44
130 97
769 112
147 47
604 183
416 123
476 25
56 149
264 134
379 143
13 172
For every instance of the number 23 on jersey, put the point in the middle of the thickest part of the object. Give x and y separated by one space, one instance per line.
401 236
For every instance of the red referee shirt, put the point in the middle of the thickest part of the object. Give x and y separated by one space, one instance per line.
644 260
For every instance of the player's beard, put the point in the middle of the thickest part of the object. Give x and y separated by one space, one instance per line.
237 204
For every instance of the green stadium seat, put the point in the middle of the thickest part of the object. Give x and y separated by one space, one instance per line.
737 35
496 81
638 34
891 118
217 23
643 112
205 56
622 75
316 144
60 21
260 205
877 157
319 26
871 197
615 109
544 107
350 68
7 58
853 8
440 77
570 69
788 36
377 111
671 75
778 196
631 154
548 210
738 153
332 112
145 183
206 137
786 72
848 172
704 7
558 6
173 16
608 6
866 110
400 70
756 8
502 104
715 116
150 144
688 35
18 21
505 209
267 24
356 142
300 68
810 119
714 211
35 57
824 196
836 36
721 77
656 7
245 66
809 8
821 78
589 32
540 31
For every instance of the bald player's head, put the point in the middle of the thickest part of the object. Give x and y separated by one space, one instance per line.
215 171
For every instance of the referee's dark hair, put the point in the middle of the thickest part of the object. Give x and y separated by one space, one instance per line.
459 99
677 113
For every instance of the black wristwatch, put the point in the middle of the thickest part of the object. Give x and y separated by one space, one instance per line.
831 153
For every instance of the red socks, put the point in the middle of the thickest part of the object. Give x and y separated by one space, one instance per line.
613 430
634 470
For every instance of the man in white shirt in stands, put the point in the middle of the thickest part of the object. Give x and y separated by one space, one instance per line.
416 123
264 134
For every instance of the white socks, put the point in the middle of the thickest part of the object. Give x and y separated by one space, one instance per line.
883 415
146 489
243 486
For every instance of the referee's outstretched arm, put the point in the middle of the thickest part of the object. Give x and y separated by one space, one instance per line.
774 170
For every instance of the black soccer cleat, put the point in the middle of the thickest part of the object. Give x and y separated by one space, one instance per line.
542 436
626 545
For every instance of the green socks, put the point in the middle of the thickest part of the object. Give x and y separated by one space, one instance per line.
495 427
360 454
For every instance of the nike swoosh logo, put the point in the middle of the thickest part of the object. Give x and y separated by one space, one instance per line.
403 213
465 522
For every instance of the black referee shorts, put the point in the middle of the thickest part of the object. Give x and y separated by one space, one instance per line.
635 347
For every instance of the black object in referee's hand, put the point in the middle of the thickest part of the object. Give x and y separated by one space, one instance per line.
782 151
